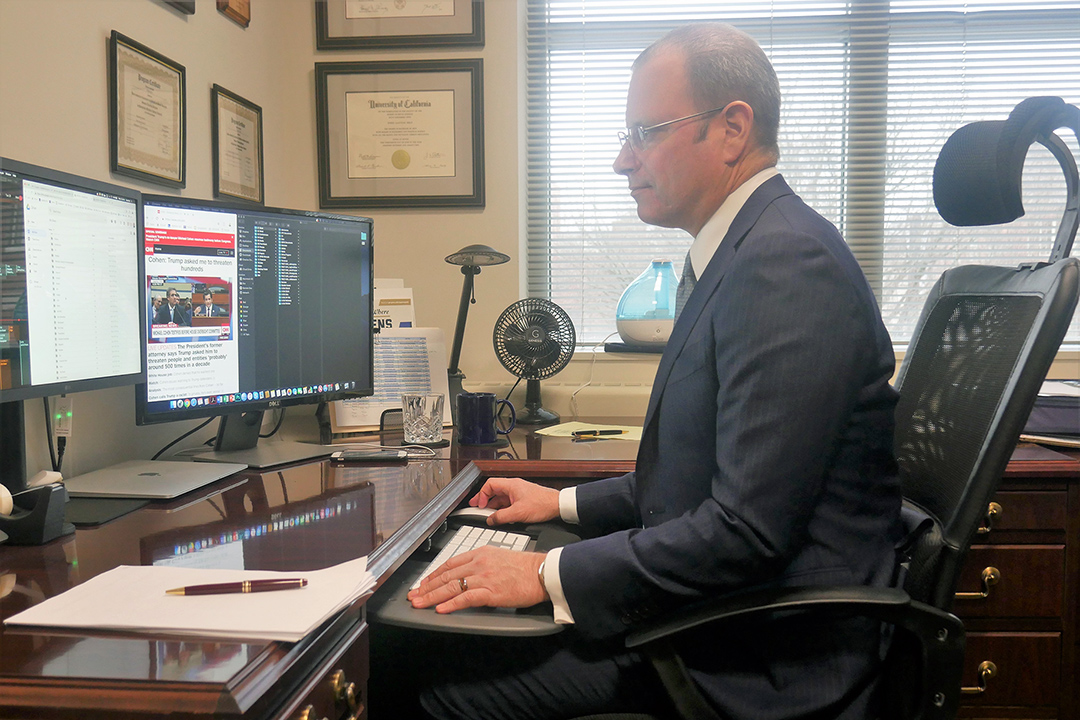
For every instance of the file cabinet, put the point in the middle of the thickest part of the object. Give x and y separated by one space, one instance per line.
1019 594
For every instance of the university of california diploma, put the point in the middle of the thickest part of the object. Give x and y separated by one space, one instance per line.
401 134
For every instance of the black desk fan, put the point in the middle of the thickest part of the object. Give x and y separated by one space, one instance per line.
534 339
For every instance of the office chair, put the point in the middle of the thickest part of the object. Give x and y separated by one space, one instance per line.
981 349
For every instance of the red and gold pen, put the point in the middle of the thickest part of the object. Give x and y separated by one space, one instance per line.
246 586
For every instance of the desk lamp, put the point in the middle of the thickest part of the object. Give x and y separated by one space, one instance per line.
471 258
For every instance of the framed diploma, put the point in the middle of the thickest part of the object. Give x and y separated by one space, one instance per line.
404 133
366 24
147 113
237 144
239 11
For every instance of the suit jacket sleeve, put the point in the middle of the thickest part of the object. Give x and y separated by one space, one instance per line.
745 454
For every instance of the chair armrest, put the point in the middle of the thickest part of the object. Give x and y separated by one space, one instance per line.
925 664
854 600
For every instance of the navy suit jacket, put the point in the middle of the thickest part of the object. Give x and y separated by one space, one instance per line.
215 311
766 460
162 317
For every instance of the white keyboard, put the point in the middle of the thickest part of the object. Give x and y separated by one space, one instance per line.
469 537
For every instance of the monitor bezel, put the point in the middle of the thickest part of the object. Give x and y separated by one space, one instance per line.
79 182
142 414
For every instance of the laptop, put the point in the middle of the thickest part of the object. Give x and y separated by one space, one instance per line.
149 479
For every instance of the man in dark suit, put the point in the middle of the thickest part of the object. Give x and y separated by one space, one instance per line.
766 457
208 308
172 311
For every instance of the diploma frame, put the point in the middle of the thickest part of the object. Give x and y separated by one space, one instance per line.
166 163
463 78
226 108
334 30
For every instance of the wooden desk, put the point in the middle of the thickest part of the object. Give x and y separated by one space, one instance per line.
313 515
301 517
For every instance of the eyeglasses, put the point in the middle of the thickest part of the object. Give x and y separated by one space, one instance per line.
636 135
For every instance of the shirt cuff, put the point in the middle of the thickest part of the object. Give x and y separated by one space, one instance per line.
568 505
553 584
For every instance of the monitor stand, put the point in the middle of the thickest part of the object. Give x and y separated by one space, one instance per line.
38 516
13 458
238 442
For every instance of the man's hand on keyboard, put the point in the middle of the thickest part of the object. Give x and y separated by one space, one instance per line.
517 501
492 577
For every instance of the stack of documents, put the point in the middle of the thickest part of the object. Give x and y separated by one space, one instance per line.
1055 419
133 599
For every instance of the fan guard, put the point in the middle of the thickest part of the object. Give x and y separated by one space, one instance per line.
534 339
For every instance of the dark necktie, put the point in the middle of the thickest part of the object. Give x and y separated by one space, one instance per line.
686 286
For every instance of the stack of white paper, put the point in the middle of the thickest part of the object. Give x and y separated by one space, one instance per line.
133 599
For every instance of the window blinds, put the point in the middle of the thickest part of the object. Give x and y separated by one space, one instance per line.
871 91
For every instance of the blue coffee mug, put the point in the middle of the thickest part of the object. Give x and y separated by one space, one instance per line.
476 418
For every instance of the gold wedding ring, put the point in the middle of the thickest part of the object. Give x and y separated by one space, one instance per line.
463 584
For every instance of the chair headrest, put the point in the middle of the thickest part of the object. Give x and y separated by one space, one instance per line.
977 174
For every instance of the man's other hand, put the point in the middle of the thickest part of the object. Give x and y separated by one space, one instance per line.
516 500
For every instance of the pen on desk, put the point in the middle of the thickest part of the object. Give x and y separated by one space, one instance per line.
591 433
246 586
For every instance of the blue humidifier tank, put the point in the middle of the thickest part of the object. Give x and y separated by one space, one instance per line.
646 310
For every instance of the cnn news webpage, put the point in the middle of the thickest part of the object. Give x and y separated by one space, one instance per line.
191 268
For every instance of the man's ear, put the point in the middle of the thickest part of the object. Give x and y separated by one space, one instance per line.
736 121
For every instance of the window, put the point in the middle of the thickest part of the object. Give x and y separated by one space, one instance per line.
871 91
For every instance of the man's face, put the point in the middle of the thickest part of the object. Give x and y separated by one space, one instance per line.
174 297
676 177
208 300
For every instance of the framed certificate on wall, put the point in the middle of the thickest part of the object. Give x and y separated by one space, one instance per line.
400 133
147 113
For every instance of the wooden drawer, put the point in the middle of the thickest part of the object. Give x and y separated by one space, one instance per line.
1030 510
1031 584
326 700
1028 669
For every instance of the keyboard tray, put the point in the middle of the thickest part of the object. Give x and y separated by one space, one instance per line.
390 605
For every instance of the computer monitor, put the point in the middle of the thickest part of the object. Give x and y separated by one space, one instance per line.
251 308
69 293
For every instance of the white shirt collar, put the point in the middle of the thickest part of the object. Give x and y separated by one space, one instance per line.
710 236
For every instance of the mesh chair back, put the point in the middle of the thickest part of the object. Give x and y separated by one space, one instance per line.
982 347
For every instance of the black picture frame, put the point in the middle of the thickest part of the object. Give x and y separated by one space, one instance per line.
185 6
147 113
430 153
460 24
238 170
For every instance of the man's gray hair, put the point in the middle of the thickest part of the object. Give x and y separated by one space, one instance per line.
724 64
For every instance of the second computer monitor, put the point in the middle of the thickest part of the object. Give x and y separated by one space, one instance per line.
252 308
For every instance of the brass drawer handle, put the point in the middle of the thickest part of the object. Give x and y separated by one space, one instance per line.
987 670
990 576
308 713
993 512
346 692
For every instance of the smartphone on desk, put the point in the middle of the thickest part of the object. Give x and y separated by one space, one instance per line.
373 455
